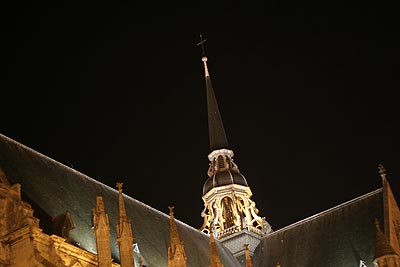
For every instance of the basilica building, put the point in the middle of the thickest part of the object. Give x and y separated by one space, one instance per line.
363 232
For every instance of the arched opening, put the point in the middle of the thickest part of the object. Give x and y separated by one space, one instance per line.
221 163
227 212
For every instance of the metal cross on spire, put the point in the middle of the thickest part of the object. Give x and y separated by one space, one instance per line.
201 43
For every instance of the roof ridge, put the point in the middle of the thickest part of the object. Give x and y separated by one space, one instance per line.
376 191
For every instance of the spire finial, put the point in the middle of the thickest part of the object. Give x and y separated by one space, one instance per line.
119 186
382 171
124 231
171 210
122 211
122 217
204 58
201 44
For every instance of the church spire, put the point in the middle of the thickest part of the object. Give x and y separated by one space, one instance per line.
176 250
124 232
216 129
229 212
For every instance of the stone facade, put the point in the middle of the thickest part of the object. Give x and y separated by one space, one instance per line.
23 243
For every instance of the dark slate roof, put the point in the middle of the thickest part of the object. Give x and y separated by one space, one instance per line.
57 188
341 236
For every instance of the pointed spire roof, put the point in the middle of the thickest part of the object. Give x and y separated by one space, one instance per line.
383 247
121 204
173 231
99 212
176 250
249 263
216 129
391 211
214 257
124 232
102 233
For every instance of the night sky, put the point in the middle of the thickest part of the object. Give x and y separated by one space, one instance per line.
308 96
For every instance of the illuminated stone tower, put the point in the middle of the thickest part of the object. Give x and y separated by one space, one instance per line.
228 212
102 232
124 233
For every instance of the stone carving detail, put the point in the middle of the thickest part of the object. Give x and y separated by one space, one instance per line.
228 207
232 212
17 213
22 242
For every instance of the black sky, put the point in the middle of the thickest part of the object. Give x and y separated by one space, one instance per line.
308 96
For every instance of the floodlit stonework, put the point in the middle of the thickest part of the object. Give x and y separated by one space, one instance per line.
23 243
176 249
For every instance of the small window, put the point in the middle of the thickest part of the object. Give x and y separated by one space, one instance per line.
221 163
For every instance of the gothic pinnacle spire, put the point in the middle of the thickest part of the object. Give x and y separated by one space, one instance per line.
214 257
382 171
249 263
173 231
122 211
383 247
216 129
102 233
124 232
176 250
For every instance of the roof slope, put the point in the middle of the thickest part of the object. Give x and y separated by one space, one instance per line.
341 236
57 188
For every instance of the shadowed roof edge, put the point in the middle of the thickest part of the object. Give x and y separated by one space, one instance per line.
315 216
91 179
